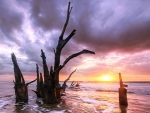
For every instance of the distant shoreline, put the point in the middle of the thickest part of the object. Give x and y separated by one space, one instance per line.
93 81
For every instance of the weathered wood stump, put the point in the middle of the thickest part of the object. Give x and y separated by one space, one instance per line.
122 93
21 92
21 88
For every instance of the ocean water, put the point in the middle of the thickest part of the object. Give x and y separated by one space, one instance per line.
91 97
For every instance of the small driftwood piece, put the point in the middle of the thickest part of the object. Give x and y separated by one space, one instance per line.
77 84
64 84
122 93
72 83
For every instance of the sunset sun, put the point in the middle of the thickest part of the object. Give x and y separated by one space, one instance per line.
105 78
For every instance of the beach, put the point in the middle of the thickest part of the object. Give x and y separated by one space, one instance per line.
91 97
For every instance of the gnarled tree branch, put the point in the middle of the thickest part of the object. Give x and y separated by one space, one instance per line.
61 42
75 55
67 20
68 38
69 76
31 82
64 84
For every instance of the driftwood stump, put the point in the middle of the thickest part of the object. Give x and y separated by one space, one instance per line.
122 93
21 92
21 88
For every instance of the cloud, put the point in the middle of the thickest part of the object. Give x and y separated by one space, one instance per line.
128 33
99 26
10 21
47 14
134 37
108 28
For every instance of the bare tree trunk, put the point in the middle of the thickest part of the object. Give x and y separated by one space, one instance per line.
21 90
38 81
41 87
49 89
122 93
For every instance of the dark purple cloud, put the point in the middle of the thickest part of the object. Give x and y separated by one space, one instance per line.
10 20
102 26
129 34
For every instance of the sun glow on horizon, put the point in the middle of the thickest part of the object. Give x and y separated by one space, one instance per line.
105 78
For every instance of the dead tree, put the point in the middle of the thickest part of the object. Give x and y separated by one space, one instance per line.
51 78
21 90
122 93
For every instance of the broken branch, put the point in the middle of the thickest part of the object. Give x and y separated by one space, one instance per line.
69 76
67 20
75 55
31 82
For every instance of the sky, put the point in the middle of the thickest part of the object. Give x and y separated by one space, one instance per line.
118 31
